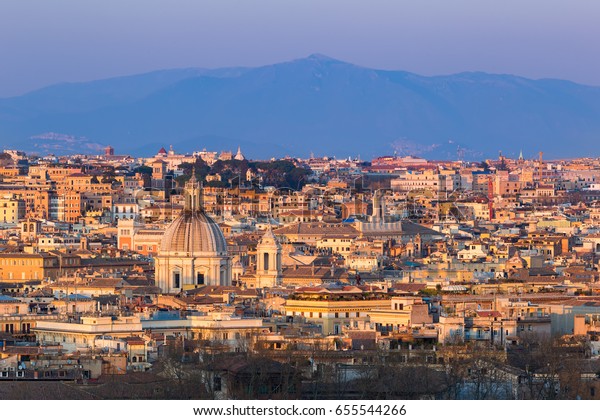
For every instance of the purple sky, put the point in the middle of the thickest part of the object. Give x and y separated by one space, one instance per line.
44 42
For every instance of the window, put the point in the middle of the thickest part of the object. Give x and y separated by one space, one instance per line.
337 315
176 280
199 278
217 383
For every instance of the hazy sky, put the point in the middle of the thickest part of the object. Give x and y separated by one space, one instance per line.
44 42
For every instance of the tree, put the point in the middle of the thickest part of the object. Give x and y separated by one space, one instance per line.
143 169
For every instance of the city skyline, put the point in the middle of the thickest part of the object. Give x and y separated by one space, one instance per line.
164 234
316 104
119 273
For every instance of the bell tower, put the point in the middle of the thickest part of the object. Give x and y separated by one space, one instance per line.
268 260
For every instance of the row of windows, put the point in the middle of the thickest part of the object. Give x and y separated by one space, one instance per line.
23 277
64 339
337 248
11 328
224 336
149 248
177 279
320 314
29 262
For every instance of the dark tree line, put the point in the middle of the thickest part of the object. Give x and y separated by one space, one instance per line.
278 173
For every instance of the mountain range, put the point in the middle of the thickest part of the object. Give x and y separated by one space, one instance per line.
315 104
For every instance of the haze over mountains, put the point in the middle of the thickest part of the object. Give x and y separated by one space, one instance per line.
316 104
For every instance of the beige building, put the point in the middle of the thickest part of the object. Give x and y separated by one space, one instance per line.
221 330
12 209
403 313
482 325
82 335
12 306
335 309
23 267
342 244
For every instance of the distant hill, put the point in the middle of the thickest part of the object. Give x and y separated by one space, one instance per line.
315 104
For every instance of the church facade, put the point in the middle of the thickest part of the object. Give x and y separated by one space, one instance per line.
193 251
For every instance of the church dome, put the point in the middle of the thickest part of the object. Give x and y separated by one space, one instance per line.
195 233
